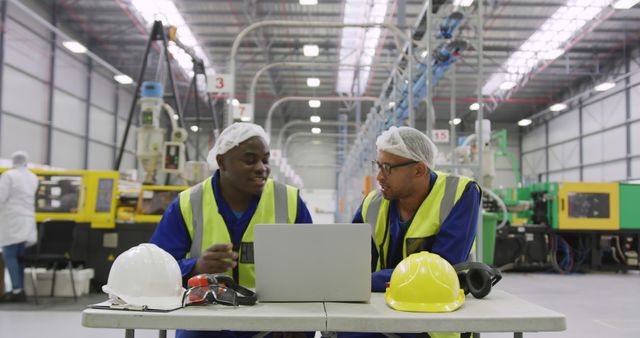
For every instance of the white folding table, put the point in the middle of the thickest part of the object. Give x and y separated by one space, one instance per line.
499 312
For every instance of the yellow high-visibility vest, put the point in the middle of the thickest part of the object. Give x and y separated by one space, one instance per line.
444 194
278 204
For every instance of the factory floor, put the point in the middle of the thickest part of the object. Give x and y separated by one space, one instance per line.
595 304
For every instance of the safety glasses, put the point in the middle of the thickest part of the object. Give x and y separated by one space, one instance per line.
210 294
216 289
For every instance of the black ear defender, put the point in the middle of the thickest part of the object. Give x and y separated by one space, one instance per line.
477 278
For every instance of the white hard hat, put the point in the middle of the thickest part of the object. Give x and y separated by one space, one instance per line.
146 276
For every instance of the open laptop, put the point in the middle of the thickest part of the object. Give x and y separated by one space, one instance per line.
313 262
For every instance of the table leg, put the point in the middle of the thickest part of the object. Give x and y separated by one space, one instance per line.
162 334
129 333
517 335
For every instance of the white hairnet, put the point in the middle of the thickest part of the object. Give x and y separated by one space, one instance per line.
231 137
19 159
408 143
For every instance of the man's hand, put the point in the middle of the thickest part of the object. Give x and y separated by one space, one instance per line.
217 258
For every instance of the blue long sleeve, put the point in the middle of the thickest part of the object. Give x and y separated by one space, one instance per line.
453 241
171 233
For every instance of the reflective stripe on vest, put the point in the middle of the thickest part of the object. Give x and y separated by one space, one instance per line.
206 227
445 192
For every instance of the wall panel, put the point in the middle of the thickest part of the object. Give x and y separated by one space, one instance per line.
26 51
565 176
533 140
15 85
533 163
101 125
606 172
71 74
18 134
102 91
635 100
66 150
100 157
69 112
604 113
635 138
564 127
564 155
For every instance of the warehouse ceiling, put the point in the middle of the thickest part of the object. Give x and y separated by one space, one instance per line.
115 31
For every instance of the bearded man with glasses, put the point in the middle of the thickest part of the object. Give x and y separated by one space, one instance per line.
416 208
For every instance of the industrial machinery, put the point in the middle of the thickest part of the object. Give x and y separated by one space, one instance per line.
152 150
584 224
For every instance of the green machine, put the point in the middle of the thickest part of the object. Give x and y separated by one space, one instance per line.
575 205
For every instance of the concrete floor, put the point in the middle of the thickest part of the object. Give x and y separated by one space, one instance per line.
596 305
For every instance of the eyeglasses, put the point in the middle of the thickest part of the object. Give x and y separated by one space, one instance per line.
385 168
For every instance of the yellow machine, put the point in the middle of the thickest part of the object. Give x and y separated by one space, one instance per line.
82 196
146 204
93 197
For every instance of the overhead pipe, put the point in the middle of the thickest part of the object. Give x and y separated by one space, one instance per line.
275 105
301 122
398 33
251 97
300 134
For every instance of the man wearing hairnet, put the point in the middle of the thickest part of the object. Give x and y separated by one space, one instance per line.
417 208
209 227
18 188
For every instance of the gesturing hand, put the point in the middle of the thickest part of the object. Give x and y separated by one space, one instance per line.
217 258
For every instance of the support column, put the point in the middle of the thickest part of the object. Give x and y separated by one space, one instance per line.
52 64
627 101
3 23
87 113
546 150
116 106
580 139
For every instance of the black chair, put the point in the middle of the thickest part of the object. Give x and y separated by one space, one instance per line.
53 250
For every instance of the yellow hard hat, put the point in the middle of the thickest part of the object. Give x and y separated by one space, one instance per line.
424 282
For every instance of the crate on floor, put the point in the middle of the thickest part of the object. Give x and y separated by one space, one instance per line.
82 277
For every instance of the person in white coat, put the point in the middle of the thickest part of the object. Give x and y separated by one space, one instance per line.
18 230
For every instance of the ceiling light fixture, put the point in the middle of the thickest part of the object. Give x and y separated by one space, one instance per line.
462 3
625 4
194 129
313 82
245 119
314 103
456 121
75 47
507 85
308 2
474 106
315 118
558 107
167 12
123 79
524 122
547 43
358 45
316 130
311 50
603 87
